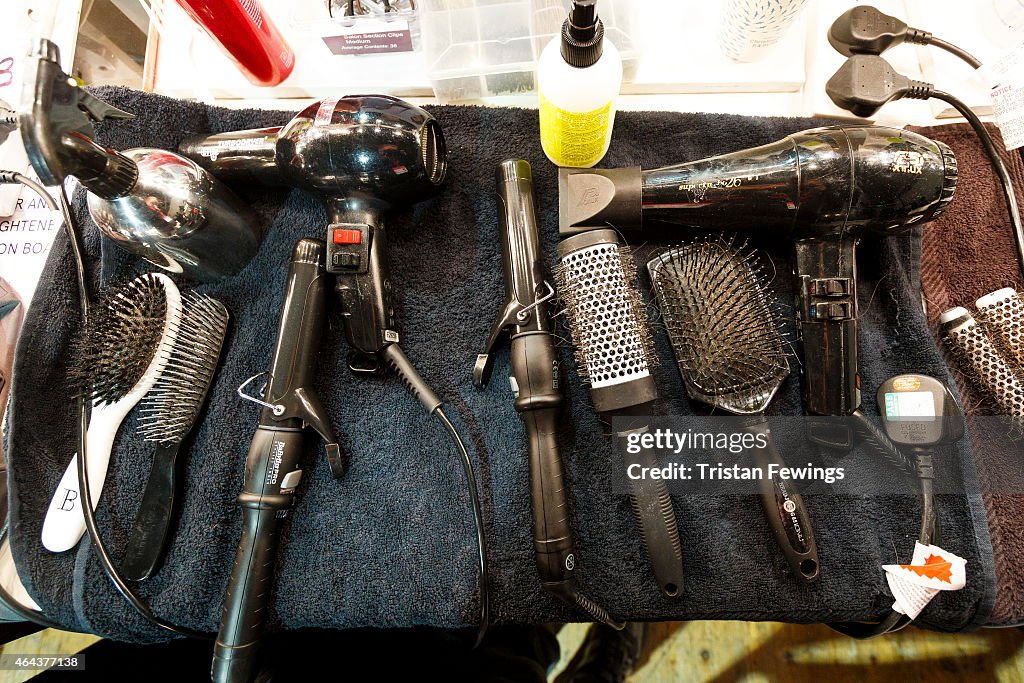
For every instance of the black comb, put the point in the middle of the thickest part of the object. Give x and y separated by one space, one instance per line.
730 354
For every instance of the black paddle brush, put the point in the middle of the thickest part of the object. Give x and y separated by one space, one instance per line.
730 354
167 416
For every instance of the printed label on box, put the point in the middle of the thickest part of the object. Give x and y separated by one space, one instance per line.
370 36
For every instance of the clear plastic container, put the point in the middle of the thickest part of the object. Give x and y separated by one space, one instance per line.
481 48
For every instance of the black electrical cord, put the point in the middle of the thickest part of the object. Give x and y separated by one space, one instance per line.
928 535
954 50
997 165
396 357
478 521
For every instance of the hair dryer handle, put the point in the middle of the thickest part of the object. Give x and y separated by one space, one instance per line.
357 256
827 319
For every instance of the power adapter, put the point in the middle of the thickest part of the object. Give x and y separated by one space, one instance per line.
865 82
864 30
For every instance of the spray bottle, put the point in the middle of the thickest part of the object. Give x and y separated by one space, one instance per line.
578 76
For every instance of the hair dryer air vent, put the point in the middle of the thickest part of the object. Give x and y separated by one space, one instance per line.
435 152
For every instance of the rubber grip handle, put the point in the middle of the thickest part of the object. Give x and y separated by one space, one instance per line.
784 508
656 517
235 654
538 402
148 538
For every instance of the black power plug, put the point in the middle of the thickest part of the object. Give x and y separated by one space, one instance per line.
864 30
865 82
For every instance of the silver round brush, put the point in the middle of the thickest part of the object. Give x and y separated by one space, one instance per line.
614 348
614 354
982 361
1002 315
166 417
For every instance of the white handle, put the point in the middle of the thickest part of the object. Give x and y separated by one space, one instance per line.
64 524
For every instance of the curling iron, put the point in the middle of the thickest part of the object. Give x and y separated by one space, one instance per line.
826 188
535 383
272 471
360 156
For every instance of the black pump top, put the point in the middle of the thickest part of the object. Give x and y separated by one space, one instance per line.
582 35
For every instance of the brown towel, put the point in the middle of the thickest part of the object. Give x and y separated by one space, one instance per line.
967 253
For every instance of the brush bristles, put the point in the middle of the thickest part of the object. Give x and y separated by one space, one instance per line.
120 340
613 341
720 322
172 406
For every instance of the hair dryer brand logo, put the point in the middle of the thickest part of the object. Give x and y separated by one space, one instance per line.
907 162
589 195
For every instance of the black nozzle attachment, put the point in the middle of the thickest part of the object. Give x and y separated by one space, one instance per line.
56 129
599 198
582 35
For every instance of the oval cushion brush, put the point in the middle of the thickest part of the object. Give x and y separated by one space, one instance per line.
115 362
729 351
166 417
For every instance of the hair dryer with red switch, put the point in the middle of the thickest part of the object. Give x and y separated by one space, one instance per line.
361 155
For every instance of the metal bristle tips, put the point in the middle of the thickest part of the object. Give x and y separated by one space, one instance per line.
120 340
612 338
172 406
614 348
720 322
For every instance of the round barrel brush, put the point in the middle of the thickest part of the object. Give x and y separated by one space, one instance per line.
116 360
730 355
614 356
984 362
1002 315
166 417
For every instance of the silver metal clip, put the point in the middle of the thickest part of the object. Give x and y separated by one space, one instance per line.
277 409
524 313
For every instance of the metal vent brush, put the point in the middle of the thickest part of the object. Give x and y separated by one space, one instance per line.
167 415
730 354
116 361
614 352
1002 315
982 360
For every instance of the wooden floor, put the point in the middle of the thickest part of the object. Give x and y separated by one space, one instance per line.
752 652
749 652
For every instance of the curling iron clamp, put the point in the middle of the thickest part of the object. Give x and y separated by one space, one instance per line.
534 380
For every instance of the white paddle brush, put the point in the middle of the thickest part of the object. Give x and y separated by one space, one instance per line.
119 357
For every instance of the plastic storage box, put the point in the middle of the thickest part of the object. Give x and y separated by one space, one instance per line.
480 48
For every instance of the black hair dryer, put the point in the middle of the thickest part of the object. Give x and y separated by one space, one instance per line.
826 187
360 155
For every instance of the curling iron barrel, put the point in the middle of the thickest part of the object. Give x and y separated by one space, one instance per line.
825 187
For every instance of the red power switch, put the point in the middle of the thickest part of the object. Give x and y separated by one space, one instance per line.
345 236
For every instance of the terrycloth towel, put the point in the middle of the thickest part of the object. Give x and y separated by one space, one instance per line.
392 544
969 252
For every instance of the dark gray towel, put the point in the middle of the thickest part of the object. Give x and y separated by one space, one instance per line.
392 544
